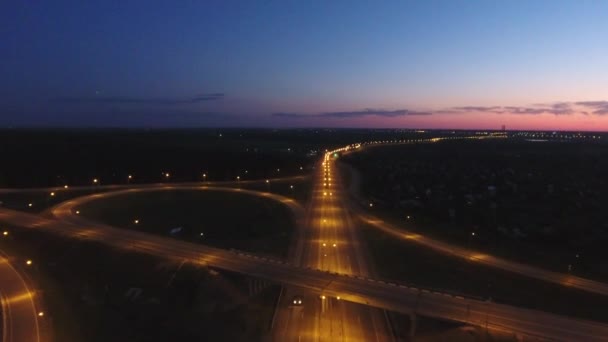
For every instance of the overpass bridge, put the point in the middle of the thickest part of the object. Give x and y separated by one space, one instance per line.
373 292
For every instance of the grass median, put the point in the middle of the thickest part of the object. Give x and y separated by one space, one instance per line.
222 219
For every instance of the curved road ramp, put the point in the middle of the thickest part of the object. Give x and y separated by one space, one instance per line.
19 314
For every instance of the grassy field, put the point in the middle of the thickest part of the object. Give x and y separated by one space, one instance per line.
227 220
546 209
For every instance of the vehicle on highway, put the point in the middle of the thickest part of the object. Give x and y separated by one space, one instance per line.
297 301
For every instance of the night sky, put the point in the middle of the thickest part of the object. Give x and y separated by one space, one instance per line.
425 64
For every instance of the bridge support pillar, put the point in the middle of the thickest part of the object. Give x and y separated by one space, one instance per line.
413 324
256 286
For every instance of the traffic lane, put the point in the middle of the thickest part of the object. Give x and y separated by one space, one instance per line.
325 321
351 288
337 250
487 259
290 317
20 315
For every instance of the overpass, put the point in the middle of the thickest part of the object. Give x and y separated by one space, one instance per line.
367 291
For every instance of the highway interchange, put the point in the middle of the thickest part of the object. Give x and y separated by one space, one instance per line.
332 279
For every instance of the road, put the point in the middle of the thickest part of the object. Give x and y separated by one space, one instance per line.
346 274
563 279
19 312
330 243
67 212
356 289
98 187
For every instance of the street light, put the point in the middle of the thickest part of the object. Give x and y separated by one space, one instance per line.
65 186
136 221
40 314
95 180
52 194
5 233
30 205
28 262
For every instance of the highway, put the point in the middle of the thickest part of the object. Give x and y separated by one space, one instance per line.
330 243
356 289
322 273
19 312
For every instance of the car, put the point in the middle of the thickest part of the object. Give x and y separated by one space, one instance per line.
297 301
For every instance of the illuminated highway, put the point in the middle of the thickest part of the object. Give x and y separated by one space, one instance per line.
330 244
328 267
19 312
351 288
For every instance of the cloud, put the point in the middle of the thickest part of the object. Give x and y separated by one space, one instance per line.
477 108
597 107
139 100
560 108
354 114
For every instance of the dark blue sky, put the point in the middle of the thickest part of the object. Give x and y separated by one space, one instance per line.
304 63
